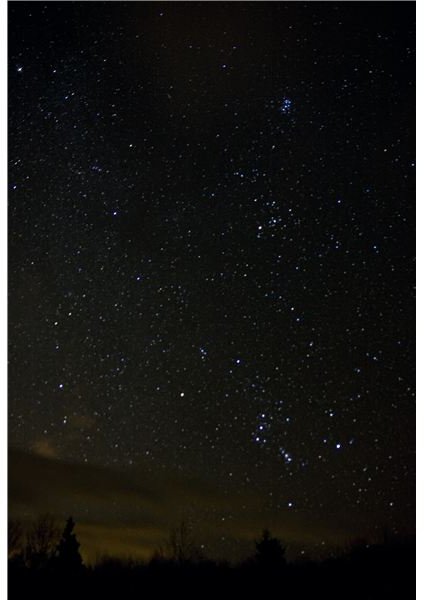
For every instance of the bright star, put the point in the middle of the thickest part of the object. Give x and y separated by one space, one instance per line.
285 106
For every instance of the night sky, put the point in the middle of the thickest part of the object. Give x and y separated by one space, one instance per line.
211 270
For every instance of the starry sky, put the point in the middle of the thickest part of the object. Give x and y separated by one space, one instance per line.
211 269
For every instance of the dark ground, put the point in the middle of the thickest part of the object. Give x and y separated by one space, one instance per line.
366 572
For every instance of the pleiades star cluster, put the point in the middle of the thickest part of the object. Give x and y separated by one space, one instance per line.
211 252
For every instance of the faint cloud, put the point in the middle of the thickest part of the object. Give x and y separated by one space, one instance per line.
44 448
81 421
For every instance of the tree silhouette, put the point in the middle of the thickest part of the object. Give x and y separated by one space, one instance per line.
14 537
270 553
180 547
67 553
180 543
41 540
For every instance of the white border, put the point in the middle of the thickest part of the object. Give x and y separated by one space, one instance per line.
3 297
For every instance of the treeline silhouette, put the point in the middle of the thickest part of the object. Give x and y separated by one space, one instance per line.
45 562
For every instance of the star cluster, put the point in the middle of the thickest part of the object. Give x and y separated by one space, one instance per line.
211 213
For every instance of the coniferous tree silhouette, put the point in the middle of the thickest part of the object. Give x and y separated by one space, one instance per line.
68 556
270 553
